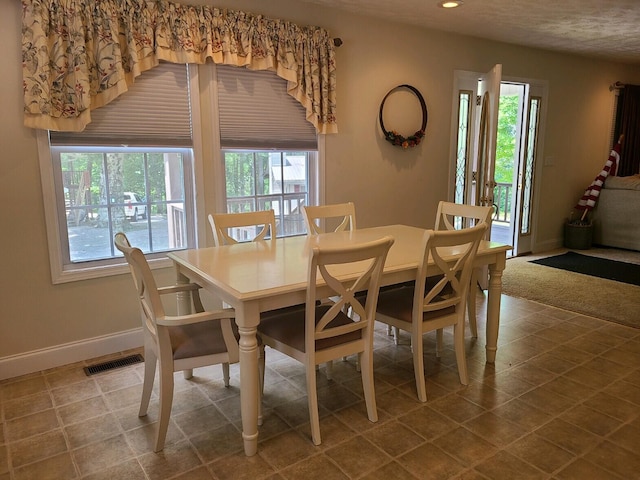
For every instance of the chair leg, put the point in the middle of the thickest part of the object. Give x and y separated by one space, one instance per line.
150 362
225 373
471 304
166 400
418 368
439 341
395 331
312 396
461 358
346 359
329 370
366 367
261 367
188 373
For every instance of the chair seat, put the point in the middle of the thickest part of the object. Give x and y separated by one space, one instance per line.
289 327
198 339
398 303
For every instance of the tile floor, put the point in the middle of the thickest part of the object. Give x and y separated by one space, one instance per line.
561 402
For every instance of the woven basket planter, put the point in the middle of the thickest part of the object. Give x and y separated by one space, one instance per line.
578 235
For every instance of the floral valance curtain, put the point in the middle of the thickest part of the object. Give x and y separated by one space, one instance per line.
79 55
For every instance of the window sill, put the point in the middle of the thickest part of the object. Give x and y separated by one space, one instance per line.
80 273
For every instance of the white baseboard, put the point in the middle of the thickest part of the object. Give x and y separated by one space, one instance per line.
37 360
548 245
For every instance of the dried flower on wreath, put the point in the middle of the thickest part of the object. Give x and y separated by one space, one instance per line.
411 141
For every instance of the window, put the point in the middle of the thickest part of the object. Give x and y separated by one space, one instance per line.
139 192
138 164
265 180
269 149
461 189
131 170
529 163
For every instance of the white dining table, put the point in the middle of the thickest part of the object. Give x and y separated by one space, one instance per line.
256 277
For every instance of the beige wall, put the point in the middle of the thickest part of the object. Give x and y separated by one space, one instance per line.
387 184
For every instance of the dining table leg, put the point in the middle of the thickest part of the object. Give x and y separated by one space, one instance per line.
493 305
247 319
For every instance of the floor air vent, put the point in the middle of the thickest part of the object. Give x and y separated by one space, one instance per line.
113 364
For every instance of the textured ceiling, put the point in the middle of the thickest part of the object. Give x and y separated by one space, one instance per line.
607 29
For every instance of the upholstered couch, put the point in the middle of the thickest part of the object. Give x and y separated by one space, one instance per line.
616 217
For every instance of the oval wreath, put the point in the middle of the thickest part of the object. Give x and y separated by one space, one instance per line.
394 137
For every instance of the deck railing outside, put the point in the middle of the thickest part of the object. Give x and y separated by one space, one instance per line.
502 202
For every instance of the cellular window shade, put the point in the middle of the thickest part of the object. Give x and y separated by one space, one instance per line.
154 112
256 112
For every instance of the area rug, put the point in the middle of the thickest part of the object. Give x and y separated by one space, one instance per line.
584 294
594 266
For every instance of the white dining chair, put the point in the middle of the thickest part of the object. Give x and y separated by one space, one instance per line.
335 217
251 226
418 309
322 332
176 342
452 216
259 226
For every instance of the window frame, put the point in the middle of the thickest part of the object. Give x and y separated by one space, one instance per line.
62 268
187 173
